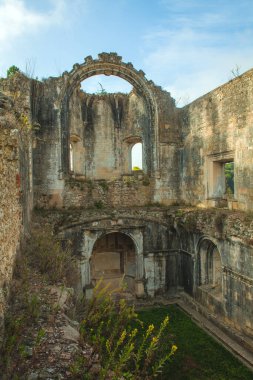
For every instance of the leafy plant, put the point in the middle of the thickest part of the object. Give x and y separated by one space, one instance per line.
103 185
117 336
12 70
99 205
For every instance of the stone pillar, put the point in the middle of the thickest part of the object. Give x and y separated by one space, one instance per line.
139 288
137 237
85 272
89 238
150 274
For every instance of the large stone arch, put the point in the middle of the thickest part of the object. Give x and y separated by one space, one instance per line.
107 64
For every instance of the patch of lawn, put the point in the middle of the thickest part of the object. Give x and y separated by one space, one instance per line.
199 356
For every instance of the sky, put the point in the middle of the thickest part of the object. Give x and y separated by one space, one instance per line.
188 47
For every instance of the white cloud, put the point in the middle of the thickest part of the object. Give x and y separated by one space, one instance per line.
193 55
16 20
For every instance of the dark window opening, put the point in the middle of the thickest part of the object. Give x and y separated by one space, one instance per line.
229 178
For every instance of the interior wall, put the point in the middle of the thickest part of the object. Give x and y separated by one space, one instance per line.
218 127
103 128
113 261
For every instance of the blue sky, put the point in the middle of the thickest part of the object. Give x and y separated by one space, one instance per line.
188 47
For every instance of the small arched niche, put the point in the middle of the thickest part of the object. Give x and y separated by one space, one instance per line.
113 262
209 267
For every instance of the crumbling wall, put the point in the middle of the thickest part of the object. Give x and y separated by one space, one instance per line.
47 149
10 210
181 152
217 128
231 233
16 200
103 129
167 190
91 135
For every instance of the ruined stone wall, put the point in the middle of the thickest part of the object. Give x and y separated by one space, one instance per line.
16 198
217 128
10 210
18 89
102 131
184 152
167 189
47 150
92 135
173 240
232 233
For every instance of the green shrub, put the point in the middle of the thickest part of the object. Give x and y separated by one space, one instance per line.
12 70
103 185
45 253
118 337
99 205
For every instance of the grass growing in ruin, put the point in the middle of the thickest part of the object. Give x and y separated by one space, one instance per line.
199 357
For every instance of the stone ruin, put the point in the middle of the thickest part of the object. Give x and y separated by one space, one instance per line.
175 226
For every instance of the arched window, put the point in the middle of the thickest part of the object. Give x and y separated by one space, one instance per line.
71 158
136 156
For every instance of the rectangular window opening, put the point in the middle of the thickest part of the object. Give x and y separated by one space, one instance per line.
229 178
220 175
223 179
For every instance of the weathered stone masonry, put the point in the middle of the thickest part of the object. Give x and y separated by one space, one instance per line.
15 184
199 242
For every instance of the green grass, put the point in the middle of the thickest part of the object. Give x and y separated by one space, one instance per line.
198 356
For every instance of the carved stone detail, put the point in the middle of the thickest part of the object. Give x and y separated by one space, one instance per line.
88 60
110 57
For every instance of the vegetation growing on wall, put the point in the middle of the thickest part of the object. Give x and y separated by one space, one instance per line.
12 70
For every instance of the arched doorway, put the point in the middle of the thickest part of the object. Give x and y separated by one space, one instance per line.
113 260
